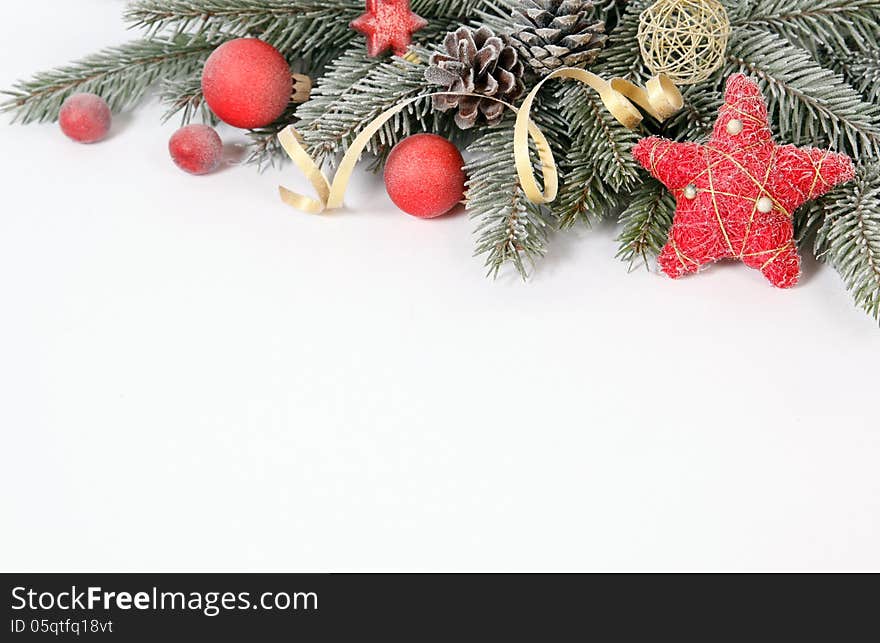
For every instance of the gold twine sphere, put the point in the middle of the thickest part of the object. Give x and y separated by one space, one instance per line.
684 39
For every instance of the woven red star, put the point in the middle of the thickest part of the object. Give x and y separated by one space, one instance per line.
388 24
736 194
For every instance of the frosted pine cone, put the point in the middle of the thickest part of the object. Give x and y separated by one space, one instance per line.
476 62
550 34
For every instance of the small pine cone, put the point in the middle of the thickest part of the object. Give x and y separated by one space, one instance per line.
550 34
476 62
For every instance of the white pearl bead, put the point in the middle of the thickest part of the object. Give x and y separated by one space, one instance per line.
765 204
690 191
734 127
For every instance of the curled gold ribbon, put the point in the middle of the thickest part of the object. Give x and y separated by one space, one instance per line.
330 194
660 98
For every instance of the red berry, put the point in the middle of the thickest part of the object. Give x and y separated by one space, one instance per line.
196 149
85 118
424 175
247 83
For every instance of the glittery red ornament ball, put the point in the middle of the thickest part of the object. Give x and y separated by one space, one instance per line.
85 118
424 175
735 195
196 149
247 83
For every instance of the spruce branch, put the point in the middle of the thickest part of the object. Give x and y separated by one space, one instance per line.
807 220
121 75
610 11
354 92
264 148
849 238
185 95
315 30
584 196
356 88
646 222
459 10
598 163
292 26
509 228
609 146
808 103
621 57
861 69
808 23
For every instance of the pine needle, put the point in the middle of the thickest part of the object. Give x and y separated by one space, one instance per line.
121 75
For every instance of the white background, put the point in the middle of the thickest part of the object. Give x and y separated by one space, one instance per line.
195 377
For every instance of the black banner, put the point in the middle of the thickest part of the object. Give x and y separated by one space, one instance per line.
414 607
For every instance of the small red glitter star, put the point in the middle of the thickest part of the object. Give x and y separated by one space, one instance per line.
388 24
736 194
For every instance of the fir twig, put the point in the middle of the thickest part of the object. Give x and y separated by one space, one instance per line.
356 89
295 27
808 103
121 75
861 69
264 149
185 95
622 59
849 238
808 23
509 227
599 162
645 222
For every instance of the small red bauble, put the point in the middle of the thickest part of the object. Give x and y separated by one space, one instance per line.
247 83
424 175
85 118
196 149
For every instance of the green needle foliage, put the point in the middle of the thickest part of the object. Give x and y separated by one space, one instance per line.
817 60
356 89
184 96
838 24
861 69
509 228
808 103
311 29
645 222
599 164
849 237
121 75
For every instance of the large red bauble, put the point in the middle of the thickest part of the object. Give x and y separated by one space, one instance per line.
424 175
247 83
85 118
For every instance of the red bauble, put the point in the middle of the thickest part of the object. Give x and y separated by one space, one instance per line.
85 118
196 149
388 24
736 194
424 175
247 83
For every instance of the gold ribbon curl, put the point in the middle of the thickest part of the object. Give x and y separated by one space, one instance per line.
659 98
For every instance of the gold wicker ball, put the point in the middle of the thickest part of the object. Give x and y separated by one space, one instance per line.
684 39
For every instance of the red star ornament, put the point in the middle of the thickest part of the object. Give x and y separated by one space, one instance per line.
736 194
388 24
